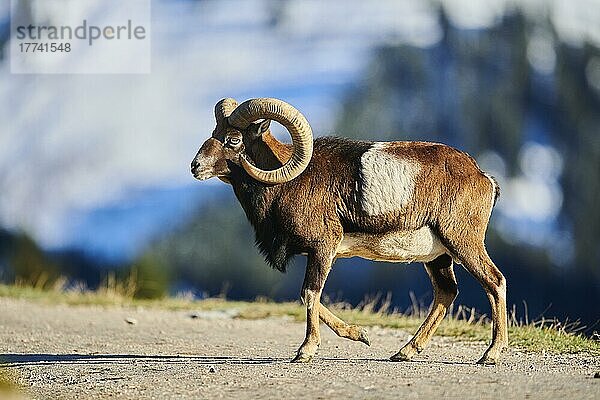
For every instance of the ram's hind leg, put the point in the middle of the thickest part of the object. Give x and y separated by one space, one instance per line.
445 290
341 328
479 264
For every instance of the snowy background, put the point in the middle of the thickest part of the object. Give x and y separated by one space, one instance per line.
99 164
73 144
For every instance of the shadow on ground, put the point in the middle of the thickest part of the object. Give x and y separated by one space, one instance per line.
16 360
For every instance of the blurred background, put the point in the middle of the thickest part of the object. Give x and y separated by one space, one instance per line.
94 169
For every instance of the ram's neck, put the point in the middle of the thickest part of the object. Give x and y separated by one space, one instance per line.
269 153
257 200
255 197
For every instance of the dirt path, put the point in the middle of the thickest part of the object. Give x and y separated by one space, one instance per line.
92 352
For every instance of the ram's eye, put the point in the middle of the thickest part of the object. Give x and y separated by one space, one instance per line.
233 141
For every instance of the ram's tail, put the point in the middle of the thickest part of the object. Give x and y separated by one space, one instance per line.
495 186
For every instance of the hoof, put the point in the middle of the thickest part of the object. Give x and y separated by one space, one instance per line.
364 337
302 358
487 360
399 356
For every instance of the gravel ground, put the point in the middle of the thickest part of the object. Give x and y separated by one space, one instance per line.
85 352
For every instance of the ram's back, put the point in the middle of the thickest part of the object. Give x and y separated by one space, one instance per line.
382 186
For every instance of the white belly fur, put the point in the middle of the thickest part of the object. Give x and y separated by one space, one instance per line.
401 246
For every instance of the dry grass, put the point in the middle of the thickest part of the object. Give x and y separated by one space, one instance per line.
9 389
463 323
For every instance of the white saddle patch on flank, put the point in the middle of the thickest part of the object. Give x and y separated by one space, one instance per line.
388 181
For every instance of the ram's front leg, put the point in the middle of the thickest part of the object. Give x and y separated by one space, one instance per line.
317 268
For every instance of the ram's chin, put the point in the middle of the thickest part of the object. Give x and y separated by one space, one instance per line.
203 177
225 179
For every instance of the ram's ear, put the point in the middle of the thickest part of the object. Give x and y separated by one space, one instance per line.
258 129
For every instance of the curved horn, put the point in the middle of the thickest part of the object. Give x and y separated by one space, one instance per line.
298 127
224 108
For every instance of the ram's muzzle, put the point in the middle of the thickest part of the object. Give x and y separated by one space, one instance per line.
210 161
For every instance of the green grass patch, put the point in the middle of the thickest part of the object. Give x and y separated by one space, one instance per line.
463 324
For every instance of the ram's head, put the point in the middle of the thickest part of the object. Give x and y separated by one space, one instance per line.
238 132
